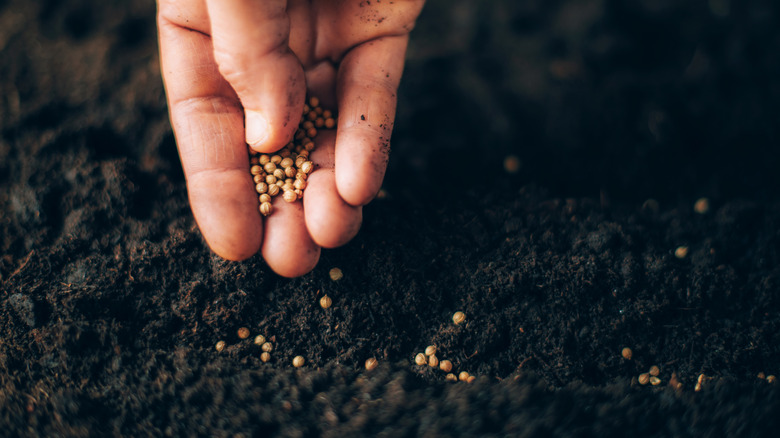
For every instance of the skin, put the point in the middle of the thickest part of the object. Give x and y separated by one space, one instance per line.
237 72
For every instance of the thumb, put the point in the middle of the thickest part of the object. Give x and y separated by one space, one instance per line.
250 41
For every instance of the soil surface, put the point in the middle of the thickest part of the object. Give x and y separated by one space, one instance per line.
621 115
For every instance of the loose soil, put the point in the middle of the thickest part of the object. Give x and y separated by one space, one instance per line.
621 113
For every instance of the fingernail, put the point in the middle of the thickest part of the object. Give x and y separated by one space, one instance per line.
256 128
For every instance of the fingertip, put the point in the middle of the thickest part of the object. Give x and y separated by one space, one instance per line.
357 192
294 268
287 247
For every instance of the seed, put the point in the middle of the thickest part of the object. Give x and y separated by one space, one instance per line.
259 178
471 379
336 274
433 361
627 353
299 193
270 179
265 197
276 159
655 381
702 206
681 252
279 174
325 302
259 340
430 350
269 167
220 345
312 132
644 378
273 190
771 378
288 187
299 160
458 317
289 196
445 366
255 170
287 162
314 102
319 122
327 114
266 208
420 359
307 167
267 346
312 115
371 363
298 361
761 375
265 356
243 333
318 110
451 377
253 161
263 160
300 184
511 164
330 123
284 153
261 187
463 376
654 371
290 172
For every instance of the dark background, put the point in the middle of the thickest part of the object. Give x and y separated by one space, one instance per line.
622 114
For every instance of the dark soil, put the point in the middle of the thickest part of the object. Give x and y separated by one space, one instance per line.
622 113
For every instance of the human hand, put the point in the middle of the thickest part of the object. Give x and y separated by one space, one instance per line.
237 72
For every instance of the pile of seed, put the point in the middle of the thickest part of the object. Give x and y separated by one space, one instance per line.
286 172
429 358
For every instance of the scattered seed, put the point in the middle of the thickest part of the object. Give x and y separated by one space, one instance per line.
243 333
430 350
644 378
445 366
267 347
298 361
420 359
220 345
451 377
771 378
702 206
681 252
265 356
471 379
433 361
761 375
463 376
336 274
325 302
655 381
511 164
371 363
259 340
654 371
627 353
458 317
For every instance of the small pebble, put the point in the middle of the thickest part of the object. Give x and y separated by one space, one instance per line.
336 274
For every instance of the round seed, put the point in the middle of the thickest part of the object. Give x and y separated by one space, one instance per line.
288 187
273 190
771 378
261 187
290 172
325 302
336 274
267 347
243 333
298 361
420 359
445 366
307 167
471 379
681 252
430 350
220 346
284 153
270 179
259 340
654 371
319 122
265 356
327 114
451 377
263 160
330 123
433 361
655 381
627 353
259 178
266 208
279 174
308 124
463 376
314 102
644 378
255 170
702 206
276 159
300 184
371 363
265 197
511 164
269 167
311 132
458 317
289 196
761 375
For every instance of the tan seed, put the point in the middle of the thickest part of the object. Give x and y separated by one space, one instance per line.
314 102
279 174
267 346
270 179
445 366
308 124
298 361
511 164
243 333
458 317
327 114
263 160
655 381
330 123
433 361
761 375
463 376
300 184
471 379
255 170
289 196
220 345
325 302
290 172
276 159
259 340
265 197
430 350
336 274
265 356
273 190
307 167
319 122
420 359
451 377
269 167
654 371
681 252
702 206
771 378
259 178
627 353
261 187
266 208
287 162
644 378
371 363
285 152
